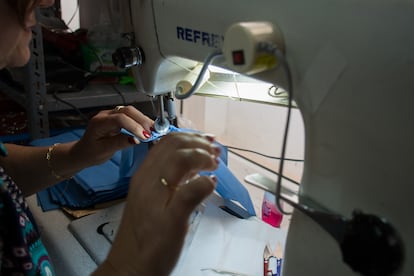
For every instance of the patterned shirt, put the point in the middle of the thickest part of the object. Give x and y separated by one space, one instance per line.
21 250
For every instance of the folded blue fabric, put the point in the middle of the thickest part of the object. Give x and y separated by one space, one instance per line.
230 188
131 160
154 135
110 180
45 202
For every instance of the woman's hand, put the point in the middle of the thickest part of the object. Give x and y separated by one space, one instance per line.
101 140
102 137
162 195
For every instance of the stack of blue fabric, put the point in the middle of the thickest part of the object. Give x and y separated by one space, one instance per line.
90 186
110 180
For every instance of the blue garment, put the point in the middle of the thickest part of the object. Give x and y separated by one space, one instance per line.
110 180
154 135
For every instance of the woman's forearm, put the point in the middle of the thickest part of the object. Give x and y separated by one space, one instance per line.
32 172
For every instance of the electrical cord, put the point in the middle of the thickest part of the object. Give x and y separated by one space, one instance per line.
273 49
83 116
369 244
180 95
260 165
285 134
264 155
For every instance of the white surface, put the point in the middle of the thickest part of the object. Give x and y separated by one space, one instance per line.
68 255
223 243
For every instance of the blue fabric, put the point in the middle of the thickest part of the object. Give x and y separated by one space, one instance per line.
131 159
230 188
110 180
154 135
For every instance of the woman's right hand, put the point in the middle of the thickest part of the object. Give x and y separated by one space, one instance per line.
163 193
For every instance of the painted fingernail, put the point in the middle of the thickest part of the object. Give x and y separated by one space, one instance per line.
146 134
133 140
217 160
152 128
214 178
217 149
210 137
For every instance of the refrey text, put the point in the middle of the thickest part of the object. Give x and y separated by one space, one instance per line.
200 37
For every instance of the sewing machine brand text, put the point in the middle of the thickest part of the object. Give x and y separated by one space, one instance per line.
200 37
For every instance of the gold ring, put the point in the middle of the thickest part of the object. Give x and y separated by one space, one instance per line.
164 182
172 190
117 108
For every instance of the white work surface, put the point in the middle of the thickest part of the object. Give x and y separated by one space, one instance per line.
70 257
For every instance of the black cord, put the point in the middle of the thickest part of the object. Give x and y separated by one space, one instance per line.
83 116
264 155
285 65
263 167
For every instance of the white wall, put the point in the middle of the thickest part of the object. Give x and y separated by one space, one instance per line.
254 126
97 12
89 12
69 11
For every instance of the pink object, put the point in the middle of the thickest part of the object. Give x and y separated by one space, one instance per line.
270 213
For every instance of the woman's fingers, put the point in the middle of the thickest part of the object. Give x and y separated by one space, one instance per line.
127 117
193 160
192 153
162 194
174 161
192 194
135 115
180 141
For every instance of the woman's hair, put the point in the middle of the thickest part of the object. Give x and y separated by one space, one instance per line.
22 8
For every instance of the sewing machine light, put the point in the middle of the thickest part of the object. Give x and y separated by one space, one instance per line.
248 47
184 85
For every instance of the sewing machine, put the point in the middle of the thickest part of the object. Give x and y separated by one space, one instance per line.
351 66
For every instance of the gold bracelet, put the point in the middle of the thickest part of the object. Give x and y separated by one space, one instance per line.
49 161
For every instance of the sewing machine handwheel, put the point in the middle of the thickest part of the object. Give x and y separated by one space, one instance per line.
372 246
126 57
